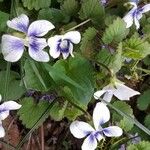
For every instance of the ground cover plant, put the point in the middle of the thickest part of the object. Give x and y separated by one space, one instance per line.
74 74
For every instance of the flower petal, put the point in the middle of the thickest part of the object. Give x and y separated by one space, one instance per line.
12 48
98 136
35 49
2 131
101 115
108 96
11 105
128 18
19 23
123 92
65 55
80 129
4 114
71 49
53 44
6 107
137 24
146 8
90 143
112 131
73 36
99 93
40 28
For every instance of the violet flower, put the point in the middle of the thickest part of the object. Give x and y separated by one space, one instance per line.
13 46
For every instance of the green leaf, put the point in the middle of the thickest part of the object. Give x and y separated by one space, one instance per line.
78 79
3 19
147 60
143 145
40 120
36 77
136 48
36 4
104 56
115 32
15 90
72 112
92 9
124 123
70 7
116 60
144 100
58 110
30 112
147 121
88 43
51 14
61 110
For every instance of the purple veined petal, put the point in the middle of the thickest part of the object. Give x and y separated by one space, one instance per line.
99 93
12 48
98 136
128 18
90 143
65 55
101 115
112 131
80 129
2 131
123 92
40 28
36 46
146 8
53 44
73 36
19 23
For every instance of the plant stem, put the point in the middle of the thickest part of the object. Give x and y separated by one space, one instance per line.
81 24
104 66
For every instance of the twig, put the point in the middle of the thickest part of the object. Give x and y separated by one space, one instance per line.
28 145
42 137
81 24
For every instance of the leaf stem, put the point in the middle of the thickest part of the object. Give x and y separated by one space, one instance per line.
81 24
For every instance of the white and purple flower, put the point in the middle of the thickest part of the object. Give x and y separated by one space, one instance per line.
13 46
135 14
81 129
63 44
4 112
117 89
